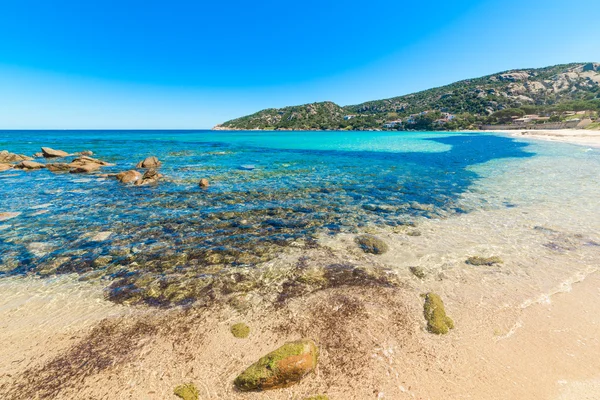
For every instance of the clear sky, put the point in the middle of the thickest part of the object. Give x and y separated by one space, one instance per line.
68 64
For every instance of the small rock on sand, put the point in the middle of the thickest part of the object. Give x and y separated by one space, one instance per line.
280 368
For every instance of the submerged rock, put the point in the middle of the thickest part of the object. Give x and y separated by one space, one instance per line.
417 271
435 314
130 176
187 391
281 368
240 330
8 215
371 244
30 165
150 162
203 183
489 261
48 152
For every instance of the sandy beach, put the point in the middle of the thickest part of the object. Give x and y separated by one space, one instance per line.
590 138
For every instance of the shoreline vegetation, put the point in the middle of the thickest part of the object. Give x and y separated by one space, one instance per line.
557 97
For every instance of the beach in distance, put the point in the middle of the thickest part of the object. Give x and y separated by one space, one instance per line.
299 265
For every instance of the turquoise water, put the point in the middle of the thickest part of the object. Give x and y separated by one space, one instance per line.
299 185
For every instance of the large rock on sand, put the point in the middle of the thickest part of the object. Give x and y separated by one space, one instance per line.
280 368
150 162
129 176
7 157
51 153
29 165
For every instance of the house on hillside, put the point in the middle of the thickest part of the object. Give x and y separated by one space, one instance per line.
348 117
392 124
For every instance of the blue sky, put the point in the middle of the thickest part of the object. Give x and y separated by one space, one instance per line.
192 64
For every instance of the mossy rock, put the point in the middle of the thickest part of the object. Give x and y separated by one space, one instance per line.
371 244
281 368
435 314
187 391
489 261
417 271
240 330
318 397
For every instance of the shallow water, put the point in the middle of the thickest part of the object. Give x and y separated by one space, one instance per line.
268 190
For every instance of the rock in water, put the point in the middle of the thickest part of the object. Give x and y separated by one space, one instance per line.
85 168
6 157
150 162
187 391
58 167
8 215
371 244
151 176
203 183
51 153
86 153
280 368
129 176
240 330
5 167
30 165
435 314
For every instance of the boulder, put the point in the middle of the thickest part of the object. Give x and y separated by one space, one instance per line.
150 162
30 165
5 167
89 160
371 244
51 153
203 183
129 176
85 168
86 153
7 158
150 176
283 367
58 167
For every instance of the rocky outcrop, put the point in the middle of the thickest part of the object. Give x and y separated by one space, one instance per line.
30 165
5 167
58 167
8 158
85 168
150 162
283 367
130 176
51 153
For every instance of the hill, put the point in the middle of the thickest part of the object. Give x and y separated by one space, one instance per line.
494 99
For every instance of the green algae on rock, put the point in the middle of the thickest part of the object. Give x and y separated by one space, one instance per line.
318 397
489 261
240 330
187 391
280 368
417 271
435 314
371 244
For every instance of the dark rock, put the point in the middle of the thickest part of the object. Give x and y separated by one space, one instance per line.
281 368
